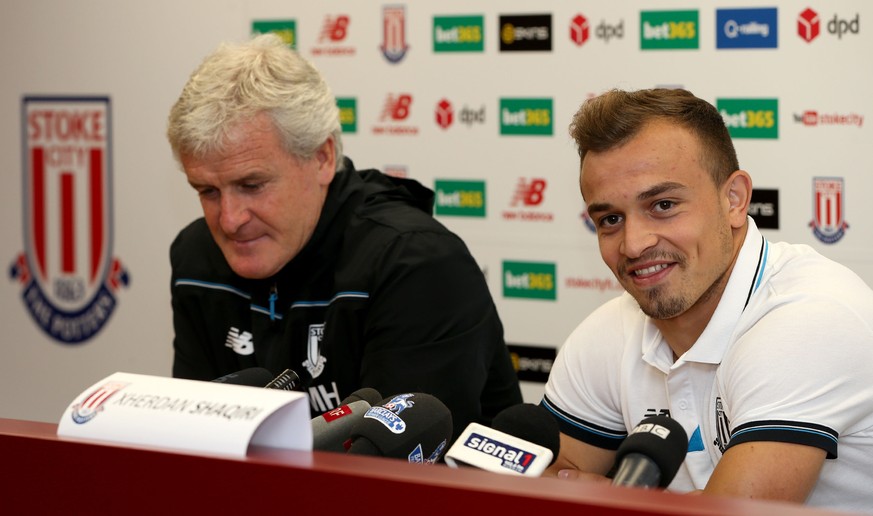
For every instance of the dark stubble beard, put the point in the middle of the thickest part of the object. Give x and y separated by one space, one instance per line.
660 306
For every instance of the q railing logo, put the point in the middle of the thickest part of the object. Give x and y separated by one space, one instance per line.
68 275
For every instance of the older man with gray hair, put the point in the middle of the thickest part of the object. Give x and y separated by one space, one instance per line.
302 262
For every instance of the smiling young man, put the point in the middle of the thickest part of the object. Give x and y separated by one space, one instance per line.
762 351
303 262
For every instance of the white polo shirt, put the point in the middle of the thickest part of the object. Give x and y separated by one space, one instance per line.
787 356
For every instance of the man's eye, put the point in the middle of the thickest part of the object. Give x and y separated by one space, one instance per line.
664 205
609 221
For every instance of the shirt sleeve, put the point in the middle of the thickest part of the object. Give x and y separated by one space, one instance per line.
801 374
583 390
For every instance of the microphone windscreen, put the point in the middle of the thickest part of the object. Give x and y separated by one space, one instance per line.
368 394
253 376
661 439
532 423
331 430
415 427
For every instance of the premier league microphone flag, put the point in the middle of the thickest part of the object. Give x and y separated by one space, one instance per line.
188 415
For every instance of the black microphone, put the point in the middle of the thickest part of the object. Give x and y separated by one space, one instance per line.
651 455
524 440
415 427
530 422
253 377
332 430
289 380
368 394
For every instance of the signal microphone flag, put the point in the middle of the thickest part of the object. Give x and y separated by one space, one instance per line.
492 450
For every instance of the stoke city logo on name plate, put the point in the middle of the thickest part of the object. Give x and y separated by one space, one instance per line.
68 275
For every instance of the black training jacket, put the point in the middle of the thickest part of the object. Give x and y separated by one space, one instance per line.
382 296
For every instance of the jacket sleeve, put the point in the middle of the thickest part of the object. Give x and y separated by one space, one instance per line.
192 358
432 327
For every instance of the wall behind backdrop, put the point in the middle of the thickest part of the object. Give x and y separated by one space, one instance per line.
471 98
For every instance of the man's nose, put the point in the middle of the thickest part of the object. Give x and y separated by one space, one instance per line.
638 236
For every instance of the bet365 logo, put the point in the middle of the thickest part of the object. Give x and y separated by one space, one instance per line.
460 198
750 118
532 280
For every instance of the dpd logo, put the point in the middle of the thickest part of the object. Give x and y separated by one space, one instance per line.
444 114
809 25
67 271
579 30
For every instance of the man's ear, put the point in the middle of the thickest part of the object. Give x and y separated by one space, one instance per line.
325 157
738 191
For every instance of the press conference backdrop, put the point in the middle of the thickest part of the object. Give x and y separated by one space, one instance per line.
471 98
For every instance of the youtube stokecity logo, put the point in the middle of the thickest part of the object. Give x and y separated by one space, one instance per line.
812 118
809 25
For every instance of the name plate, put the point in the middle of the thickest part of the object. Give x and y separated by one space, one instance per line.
188 415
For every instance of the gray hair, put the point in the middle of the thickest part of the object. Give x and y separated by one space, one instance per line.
237 82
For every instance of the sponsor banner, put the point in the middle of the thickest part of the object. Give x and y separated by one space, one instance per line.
669 30
348 114
458 33
394 45
829 209
459 198
529 280
531 116
188 415
813 118
764 208
333 33
68 275
394 114
750 118
747 28
810 25
532 363
532 32
285 29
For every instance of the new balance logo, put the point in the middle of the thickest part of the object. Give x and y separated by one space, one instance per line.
240 343
656 412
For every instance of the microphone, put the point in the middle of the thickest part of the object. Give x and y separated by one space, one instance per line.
253 377
415 427
368 394
287 380
651 455
524 440
331 431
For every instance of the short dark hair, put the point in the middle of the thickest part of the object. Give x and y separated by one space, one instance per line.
613 118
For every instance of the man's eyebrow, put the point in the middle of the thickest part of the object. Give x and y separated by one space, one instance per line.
658 189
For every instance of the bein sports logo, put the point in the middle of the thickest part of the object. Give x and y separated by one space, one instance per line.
68 275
